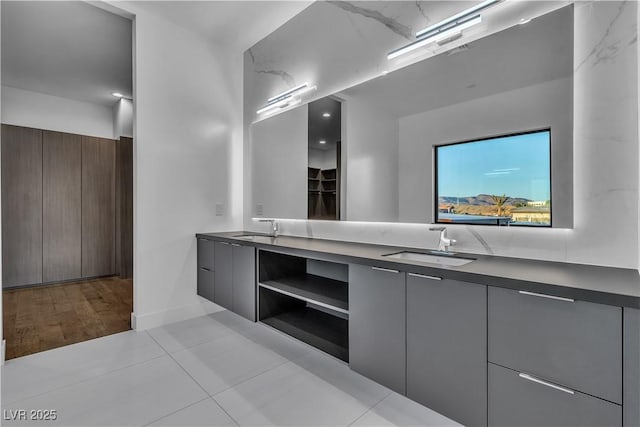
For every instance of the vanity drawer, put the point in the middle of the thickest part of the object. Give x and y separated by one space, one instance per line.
516 399
205 254
573 343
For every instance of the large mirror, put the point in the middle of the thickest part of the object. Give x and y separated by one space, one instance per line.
511 85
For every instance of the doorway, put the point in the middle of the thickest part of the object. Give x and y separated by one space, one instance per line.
67 174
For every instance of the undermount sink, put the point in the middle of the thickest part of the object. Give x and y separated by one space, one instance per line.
449 260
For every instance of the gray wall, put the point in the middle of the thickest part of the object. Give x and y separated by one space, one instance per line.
529 108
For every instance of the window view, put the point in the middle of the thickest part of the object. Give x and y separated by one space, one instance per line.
498 181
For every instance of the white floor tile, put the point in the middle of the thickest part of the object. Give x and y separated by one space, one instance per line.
227 361
206 413
192 332
131 396
397 410
340 376
290 396
42 372
285 346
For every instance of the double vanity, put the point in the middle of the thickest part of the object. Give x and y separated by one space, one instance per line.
483 340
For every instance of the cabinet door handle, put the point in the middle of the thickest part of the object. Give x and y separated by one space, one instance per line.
388 270
545 383
547 296
206 269
424 276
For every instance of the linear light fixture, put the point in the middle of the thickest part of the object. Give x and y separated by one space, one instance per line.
458 17
436 37
287 98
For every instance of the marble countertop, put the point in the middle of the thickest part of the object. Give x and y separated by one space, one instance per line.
605 285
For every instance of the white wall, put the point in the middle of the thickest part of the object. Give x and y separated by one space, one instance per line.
605 155
322 159
187 159
38 110
279 164
123 118
371 173
539 106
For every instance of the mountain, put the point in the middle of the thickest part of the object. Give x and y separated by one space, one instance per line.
479 200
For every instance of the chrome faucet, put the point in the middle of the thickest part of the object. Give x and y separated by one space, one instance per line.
445 242
274 226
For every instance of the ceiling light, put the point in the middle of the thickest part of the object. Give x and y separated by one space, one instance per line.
326 115
287 98
436 37
117 94
457 18
524 21
322 141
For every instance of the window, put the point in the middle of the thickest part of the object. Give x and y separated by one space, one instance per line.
504 180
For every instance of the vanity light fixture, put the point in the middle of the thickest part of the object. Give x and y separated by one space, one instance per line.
449 28
326 115
455 19
117 94
287 98
322 141
436 37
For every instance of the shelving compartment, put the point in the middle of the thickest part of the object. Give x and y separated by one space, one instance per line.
306 299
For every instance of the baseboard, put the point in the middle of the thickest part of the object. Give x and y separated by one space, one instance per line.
3 350
140 322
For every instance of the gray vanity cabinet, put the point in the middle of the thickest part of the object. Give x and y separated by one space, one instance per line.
447 347
227 276
516 401
244 281
377 309
553 360
576 344
206 269
223 291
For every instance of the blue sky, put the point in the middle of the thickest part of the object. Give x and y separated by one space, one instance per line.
517 166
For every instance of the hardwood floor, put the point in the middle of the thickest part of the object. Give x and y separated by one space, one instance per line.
45 317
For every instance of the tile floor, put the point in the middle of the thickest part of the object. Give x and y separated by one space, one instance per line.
216 370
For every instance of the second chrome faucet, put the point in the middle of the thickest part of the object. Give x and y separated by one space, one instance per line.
444 242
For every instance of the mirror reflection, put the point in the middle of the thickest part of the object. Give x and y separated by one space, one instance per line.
325 133
383 149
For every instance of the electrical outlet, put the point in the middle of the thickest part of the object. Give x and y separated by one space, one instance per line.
259 209
219 209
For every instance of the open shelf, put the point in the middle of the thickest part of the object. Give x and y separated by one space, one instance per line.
305 298
325 292
323 331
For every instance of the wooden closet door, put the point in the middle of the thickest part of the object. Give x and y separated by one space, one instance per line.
61 206
125 210
98 206
21 206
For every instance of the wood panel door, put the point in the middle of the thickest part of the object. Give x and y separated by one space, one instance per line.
98 206
21 206
124 207
61 206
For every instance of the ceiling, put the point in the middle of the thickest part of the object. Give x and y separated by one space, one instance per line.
236 25
66 48
78 51
327 129
521 56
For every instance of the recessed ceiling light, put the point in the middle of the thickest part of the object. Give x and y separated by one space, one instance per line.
326 115
322 141
117 94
